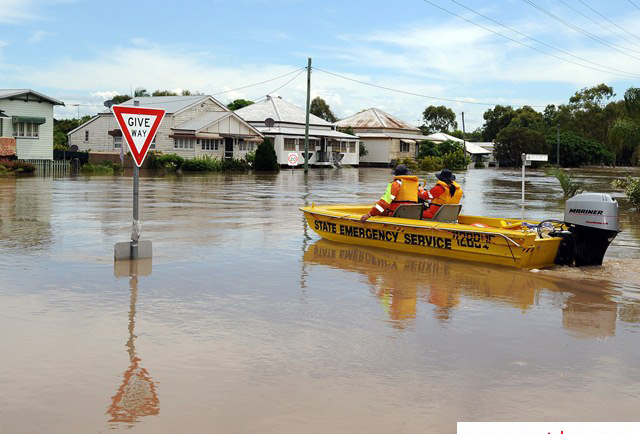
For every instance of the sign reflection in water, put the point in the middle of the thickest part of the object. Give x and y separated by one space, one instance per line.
136 397
400 280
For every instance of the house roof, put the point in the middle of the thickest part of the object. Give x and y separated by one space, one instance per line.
170 104
392 135
471 147
279 110
12 93
375 118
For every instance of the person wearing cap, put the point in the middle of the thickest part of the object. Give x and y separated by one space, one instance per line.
396 194
446 191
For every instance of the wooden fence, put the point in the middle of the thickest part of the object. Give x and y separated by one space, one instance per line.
54 168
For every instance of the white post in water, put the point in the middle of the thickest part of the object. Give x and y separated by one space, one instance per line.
523 164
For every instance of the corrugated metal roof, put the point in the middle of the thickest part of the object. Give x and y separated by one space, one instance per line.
8 93
375 118
170 104
279 110
202 121
472 147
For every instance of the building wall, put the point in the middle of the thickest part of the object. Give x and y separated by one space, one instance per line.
378 151
40 148
99 140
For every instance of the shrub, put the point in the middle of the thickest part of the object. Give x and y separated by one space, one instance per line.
430 163
479 165
235 165
17 166
570 187
250 157
631 187
205 163
455 160
410 163
169 162
266 159
102 168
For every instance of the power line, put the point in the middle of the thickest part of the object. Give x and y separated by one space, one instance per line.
584 32
520 42
597 23
628 74
637 7
289 81
417 94
599 14
259 83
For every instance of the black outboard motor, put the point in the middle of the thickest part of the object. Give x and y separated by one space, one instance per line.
592 222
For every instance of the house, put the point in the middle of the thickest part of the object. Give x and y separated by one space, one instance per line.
386 138
478 151
193 125
27 117
284 123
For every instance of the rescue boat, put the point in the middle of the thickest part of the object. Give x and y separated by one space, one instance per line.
582 238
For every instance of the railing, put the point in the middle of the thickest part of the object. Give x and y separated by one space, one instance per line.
53 168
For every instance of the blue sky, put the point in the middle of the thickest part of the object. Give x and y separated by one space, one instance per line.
84 51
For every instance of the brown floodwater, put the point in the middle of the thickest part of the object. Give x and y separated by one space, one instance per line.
245 321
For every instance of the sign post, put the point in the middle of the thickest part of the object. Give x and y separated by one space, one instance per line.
292 160
526 161
139 126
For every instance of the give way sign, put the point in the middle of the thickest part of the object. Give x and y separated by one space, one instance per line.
139 126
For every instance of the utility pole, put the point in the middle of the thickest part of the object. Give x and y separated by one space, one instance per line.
464 138
558 147
306 125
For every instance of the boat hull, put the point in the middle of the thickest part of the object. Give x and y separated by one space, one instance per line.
462 241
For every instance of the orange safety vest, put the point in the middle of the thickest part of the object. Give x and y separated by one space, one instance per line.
446 198
409 189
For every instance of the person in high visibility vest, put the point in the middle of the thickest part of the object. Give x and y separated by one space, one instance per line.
446 191
402 190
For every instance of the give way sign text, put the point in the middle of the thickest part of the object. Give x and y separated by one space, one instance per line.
139 126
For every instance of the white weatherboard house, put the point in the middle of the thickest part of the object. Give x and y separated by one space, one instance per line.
386 138
284 123
192 126
27 116
477 151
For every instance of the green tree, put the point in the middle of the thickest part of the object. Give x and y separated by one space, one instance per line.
62 126
320 108
163 93
438 119
238 104
577 151
119 99
515 140
140 92
624 133
495 120
266 159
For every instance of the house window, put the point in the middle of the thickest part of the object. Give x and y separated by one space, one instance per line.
209 144
117 142
183 143
289 144
86 135
343 147
242 145
352 147
152 145
22 129
404 146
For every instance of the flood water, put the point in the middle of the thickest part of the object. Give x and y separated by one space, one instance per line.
245 321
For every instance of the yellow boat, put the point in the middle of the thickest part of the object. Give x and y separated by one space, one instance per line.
589 226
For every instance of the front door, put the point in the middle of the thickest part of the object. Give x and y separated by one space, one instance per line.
228 148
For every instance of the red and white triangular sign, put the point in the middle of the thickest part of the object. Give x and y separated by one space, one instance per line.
139 125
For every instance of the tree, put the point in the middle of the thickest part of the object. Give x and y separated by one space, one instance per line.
515 140
163 93
62 126
624 133
438 119
495 120
320 108
266 159
140 92
576 151
238 104
119 99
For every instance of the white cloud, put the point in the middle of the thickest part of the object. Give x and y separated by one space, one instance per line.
39 36
16 11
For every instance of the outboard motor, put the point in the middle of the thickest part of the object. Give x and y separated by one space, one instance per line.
592 222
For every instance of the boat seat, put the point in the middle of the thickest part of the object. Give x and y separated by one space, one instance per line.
447 213
409 211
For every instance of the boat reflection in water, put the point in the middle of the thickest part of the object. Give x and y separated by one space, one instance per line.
400 280
136 397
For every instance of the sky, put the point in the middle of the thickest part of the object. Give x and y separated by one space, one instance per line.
84 51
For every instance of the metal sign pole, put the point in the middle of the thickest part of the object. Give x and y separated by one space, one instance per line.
135 232
523 165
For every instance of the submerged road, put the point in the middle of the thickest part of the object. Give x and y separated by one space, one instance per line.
245 321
